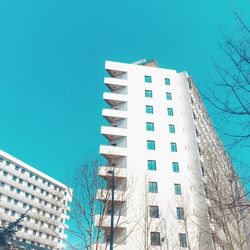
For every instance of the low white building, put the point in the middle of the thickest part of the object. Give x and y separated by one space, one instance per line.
23 187
160 145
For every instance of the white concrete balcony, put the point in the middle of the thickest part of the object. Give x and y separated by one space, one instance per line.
112 151
114 99
113 133
118 172
115 83
104 195
114 115
105 221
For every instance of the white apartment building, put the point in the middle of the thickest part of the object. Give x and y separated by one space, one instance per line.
161 145
23 187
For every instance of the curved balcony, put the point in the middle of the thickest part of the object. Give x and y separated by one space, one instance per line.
118 172
113 133
112 151
115 83
104 195
114 115
119 221
114 99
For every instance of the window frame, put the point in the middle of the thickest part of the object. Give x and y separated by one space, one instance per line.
147 79
148 93
154 212
149 109
173 147
153 187
183 240
170 111
152 165
168 96
171 128
167 81
150 145
155 238
175 167
150 126
177 189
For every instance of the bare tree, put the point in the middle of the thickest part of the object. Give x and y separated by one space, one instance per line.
91 207
7 233
230 95
228 205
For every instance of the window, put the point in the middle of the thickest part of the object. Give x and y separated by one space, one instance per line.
175 166
20 181
183 240
2 184
18 191
6 210
167 81
36 178
170 112
16 168
148 93
171 128
22 171
13 213
155 238
14 178
15 202
153 187
147 78
154 211
151 145
150 126
177 189
12 188
180 213
168 96
151 165
5 173
31 175
149 109
173 147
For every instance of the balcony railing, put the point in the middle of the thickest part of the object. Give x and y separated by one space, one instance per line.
112 151
114 115
104 195
113 133
118 172
119 221
115 83
114 99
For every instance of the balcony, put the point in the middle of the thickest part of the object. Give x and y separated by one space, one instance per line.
112 151
113 133
115 83
104 195
114 115
120 221
114 99
118 172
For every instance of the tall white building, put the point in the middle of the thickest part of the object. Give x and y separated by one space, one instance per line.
165 154
23 187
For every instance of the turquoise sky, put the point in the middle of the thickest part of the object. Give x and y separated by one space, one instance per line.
52 66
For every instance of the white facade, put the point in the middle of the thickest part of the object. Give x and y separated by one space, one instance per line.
156 150
23 187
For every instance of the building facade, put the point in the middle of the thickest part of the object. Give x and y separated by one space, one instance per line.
164 152
24 188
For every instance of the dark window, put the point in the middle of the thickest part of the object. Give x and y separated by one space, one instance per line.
183 240
155 238
153 188
154 211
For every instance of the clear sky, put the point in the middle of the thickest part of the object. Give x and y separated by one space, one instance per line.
52 55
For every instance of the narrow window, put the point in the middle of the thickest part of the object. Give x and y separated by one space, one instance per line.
173 147
153 188
150 126
183 240
148 93
149 109
151 145
167 81
154 211
147 78
168 96
171 128
155 238
170 112
151 165
177 189
180 213
175 167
